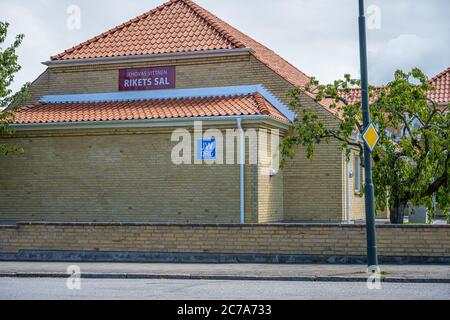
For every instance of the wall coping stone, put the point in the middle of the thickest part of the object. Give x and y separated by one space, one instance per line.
158 257
9 226
224 225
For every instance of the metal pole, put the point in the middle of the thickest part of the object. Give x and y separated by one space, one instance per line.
347 191
242 170
369 188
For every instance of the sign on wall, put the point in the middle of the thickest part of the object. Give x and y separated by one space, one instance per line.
206 149
151 78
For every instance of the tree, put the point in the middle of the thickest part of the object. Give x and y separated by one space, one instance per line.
8 68
411 160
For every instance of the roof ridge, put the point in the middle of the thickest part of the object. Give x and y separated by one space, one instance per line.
209 18
440 74
226 27
114 29
28 106
261 103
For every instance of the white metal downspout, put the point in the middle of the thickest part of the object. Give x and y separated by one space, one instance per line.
242 169
347 184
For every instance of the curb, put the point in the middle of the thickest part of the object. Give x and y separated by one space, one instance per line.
138 276
206 257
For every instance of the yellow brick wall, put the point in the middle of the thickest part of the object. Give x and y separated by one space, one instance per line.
313 190
356 198
314 186
227 71
328 240
270 187
118 176
317 185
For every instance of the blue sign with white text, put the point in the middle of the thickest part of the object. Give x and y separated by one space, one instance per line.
206 149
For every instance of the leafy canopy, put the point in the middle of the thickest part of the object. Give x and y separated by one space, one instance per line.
411 160
8 68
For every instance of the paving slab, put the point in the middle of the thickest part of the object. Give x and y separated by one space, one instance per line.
286 272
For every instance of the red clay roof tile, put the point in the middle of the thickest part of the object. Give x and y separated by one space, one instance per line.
146 109
181 26
161 30
440 82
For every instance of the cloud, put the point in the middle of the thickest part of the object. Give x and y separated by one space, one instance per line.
35 44
405 52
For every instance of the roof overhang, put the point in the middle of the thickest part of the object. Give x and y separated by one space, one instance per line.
229 91
174 94
149 57
154 123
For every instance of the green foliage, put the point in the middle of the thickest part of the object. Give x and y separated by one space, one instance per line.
5 120
8 68
308 130
411 160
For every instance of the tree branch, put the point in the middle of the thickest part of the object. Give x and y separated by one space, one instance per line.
343 100
414 141
443 179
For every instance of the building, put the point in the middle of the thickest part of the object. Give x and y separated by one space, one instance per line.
98 132
440 95
441 83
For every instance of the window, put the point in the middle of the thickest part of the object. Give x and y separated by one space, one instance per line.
357 174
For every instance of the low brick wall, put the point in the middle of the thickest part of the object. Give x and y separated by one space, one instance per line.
220 243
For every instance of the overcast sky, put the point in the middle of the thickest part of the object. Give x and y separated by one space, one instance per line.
318 36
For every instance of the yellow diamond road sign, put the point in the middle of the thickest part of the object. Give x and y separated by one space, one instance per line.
371 136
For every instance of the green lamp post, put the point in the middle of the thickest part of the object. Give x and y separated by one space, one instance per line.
370 137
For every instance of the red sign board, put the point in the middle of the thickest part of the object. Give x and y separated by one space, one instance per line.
147 78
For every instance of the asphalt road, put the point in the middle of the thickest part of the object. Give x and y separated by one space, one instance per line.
53 289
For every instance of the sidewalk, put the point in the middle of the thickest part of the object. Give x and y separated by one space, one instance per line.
276 272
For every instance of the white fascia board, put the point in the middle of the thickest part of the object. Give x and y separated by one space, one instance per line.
148 57
151 95
276 103
172 94
151 123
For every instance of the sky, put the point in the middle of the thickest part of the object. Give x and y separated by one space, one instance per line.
320 37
